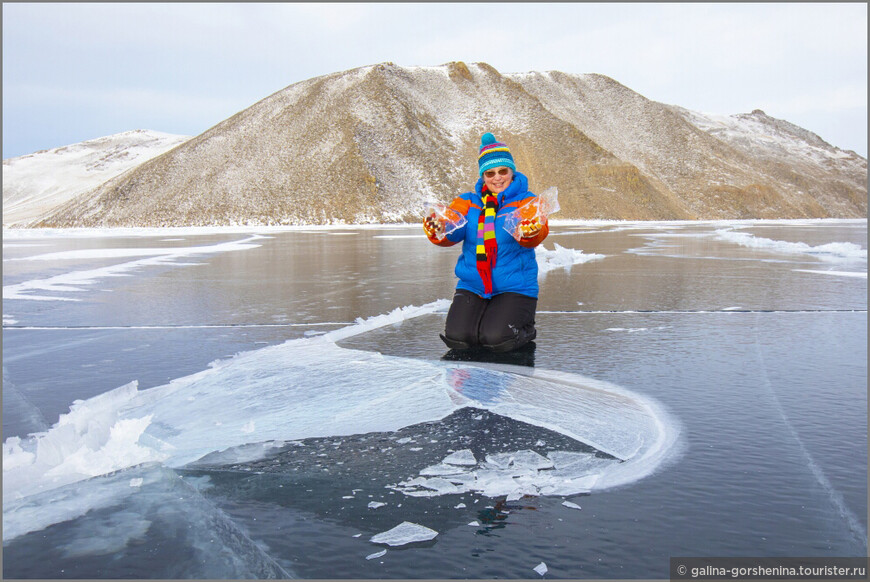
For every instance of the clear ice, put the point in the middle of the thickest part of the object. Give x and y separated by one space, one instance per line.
243 407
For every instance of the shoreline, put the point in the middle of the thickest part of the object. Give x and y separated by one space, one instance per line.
17 233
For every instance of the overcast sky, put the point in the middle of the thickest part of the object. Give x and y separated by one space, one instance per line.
73 72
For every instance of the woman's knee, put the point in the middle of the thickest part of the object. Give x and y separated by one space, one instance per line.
459 338
463 319
509 323
508 337
493 334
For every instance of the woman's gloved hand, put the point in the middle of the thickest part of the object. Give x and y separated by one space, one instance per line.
433 226
530 227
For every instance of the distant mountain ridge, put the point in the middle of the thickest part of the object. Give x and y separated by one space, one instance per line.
371 144
35 184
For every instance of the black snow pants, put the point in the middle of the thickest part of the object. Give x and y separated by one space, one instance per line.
502 323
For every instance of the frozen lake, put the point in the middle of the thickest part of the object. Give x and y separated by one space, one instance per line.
252 403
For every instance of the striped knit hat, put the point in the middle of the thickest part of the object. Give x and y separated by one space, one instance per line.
494 154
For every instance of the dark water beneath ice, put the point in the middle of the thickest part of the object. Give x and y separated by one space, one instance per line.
752 336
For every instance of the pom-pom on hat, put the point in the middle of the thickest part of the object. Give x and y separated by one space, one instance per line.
494 154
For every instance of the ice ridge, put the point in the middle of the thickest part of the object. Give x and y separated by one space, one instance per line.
310 387
836 251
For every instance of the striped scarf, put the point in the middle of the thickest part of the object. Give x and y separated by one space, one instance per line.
486 245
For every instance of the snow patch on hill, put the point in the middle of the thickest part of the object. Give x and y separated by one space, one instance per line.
35 183
759 132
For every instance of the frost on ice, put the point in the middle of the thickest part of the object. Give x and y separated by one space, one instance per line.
405 533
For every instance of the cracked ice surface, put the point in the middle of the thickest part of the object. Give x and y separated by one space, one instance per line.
310 387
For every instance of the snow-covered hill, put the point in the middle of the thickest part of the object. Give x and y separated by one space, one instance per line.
371 144
36 183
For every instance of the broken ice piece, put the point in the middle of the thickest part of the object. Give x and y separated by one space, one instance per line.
420 493
375 504
500 460
528 459
570 505
136 482
541 569
376 555
440 469
575 462
404 533
460 506
442 486
515 495
465 457
474 524
463 479
576 486
525 459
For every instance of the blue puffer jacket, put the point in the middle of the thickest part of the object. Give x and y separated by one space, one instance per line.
516 269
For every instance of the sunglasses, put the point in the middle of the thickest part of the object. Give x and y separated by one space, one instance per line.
501 172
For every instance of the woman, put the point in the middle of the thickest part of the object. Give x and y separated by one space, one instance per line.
495 300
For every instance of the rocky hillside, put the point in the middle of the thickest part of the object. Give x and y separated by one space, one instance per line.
371 144
36 183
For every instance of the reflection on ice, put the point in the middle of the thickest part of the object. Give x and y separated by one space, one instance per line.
256 404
